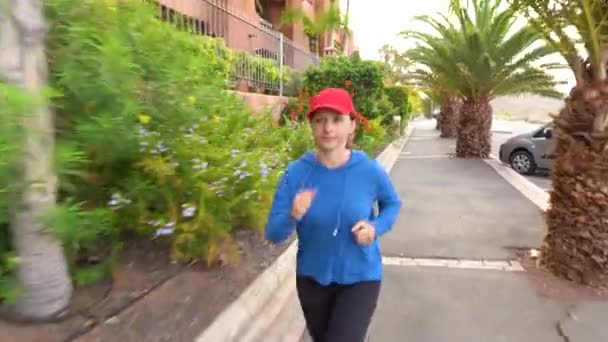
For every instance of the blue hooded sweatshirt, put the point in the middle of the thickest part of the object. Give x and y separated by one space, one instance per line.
327 249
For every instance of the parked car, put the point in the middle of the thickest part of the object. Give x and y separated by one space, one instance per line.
529 152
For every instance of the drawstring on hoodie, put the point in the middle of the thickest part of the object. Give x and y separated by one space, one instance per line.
339 219
342 198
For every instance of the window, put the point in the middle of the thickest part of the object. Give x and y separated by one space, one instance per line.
312 44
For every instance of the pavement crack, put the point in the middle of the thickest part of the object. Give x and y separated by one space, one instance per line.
560 332
558 325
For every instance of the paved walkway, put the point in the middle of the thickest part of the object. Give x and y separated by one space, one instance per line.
461 220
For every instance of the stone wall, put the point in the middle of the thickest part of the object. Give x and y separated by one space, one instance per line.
260 103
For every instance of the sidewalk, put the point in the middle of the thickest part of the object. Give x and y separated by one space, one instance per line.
450 269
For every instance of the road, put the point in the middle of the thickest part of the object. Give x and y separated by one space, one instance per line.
449 273
502 130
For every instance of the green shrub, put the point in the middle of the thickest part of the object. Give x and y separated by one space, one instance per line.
14 107
150 143
400 97
363 78
373 138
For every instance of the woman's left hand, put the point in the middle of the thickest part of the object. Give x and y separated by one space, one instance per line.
364 233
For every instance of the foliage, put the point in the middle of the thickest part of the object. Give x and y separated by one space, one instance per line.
322 23
396 65
365 78
257 72
14 106
149 142
564 25
402 99
373 138
481 56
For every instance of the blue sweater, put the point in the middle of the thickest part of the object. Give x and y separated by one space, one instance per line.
327 249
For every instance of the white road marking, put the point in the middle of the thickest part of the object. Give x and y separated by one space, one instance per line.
426 156
480 264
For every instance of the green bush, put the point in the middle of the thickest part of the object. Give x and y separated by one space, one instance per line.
149 142
14 106
363 78
373 138
400 97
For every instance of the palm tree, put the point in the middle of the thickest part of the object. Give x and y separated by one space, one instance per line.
575 245
450 104
479 59
325 22
448 115
45 282
396 64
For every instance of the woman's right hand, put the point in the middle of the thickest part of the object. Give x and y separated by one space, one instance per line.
301 203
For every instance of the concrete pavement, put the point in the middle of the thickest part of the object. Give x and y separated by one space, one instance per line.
451 210
463 209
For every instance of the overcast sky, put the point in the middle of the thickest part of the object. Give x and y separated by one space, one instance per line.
378 22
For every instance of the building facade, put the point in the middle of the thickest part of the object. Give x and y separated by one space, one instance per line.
255 26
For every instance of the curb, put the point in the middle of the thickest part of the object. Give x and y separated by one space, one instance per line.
244 318
530 190
389 156
240 313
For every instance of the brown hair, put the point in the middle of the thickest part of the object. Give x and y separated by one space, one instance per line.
351 137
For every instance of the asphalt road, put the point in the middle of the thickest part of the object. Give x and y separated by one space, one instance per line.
502 130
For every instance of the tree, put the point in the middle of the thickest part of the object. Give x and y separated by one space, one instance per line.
449 112
396 63
45 282
575 244
323 23
479 59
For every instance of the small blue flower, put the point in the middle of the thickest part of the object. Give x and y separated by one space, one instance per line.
161 147
144 132
167 229
264 172
117 201
199 165
188 210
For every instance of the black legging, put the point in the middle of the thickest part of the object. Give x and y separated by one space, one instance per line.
336 312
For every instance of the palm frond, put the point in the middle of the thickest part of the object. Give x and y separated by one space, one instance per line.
480 54
589 18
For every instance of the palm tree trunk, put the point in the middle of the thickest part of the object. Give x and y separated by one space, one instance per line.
45 282
448 119
475 122
576 244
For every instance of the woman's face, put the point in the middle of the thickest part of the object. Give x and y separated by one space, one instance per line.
331 130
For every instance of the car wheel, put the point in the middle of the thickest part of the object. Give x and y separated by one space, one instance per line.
523 162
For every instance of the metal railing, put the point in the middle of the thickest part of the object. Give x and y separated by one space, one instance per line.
264 60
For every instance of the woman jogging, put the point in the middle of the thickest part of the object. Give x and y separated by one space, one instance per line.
328 196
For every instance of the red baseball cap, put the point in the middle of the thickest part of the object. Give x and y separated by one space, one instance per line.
335 99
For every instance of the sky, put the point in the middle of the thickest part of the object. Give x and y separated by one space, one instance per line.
378 22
